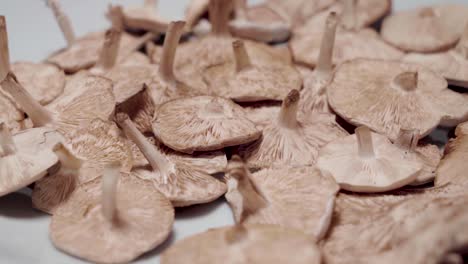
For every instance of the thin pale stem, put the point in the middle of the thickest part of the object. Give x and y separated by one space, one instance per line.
171 42
115 14
348 18
365 145
110 49
109 191
4 51
325 60
241 56
408 139
63 21
288 113
219 12
7 144
406 81
39 115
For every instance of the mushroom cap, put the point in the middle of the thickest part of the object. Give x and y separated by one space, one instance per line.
260 244
143 18
262 115
140 108
43 81
430 155
10 113
387 170
364 92
144 220
314 94
136 59
297 10
36 139
426 29
203 123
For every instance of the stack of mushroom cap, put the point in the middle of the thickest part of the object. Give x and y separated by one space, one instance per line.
203 123
369 162
245 81
427 29
291 140
388 95
180 183
144 18
257 244
264 197
19 166
113 220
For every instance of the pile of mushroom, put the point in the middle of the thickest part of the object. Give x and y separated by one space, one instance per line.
316 130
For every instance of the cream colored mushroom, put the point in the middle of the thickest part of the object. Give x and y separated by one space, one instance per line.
291 139
251 244
113 220
144 18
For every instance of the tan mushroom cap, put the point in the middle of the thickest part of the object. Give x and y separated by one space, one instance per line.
144 18
426 29
257 244
388 95
203 123
112 223
264 197
369 162
35 139
296 11
19 166
291 140
261 114
136 59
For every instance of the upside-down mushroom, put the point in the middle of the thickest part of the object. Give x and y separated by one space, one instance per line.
262 113
259 244
144 18
291 139
113 220
389 95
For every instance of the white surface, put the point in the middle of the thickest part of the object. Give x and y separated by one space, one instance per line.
33 34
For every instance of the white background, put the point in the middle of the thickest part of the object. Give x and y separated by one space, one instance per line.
33 34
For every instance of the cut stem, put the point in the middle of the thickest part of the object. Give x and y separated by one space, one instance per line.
241 56
110 49
4 51
365 145
288 113
174 32
63 21
39 115
325 60
219 12
7 144
109 191
408 139
406 81
348 18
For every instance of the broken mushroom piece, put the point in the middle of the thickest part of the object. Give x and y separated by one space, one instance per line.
144 18
264 197
292 140
113 220
249 244
203 123
426 29
181 184
369 162
389 95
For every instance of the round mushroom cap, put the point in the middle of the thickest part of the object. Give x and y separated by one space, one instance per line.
256 244
35 139
136 59
427 29
43 81
203 123
144 220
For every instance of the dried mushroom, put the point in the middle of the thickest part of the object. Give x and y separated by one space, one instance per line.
181 184
426 29
113 220
251 244
144 18
389 95
265 197
291 139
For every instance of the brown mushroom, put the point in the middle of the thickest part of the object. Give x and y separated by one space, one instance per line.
426 29
389 95
144 18
292 140
113 220
251 244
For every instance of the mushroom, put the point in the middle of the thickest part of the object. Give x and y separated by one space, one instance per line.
181 184
262 113
249 244
369 162
195 10
389 95
203 123
426 29
113 220
20 166
291 140
144 18
265 197
296 11
245 81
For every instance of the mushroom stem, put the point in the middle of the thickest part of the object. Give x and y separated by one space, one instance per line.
365 145
39 115
110 49
109 191
151 4
408 139
4 51
219 11
7 144
241 56
325 63
63 21
174 31
406 81
348 18
155 158
288 113
115 14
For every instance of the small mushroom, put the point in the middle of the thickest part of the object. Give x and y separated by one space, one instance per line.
249 244
389 95
20 166
369 162
113 220
203 123
144 18
291 140
426 29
